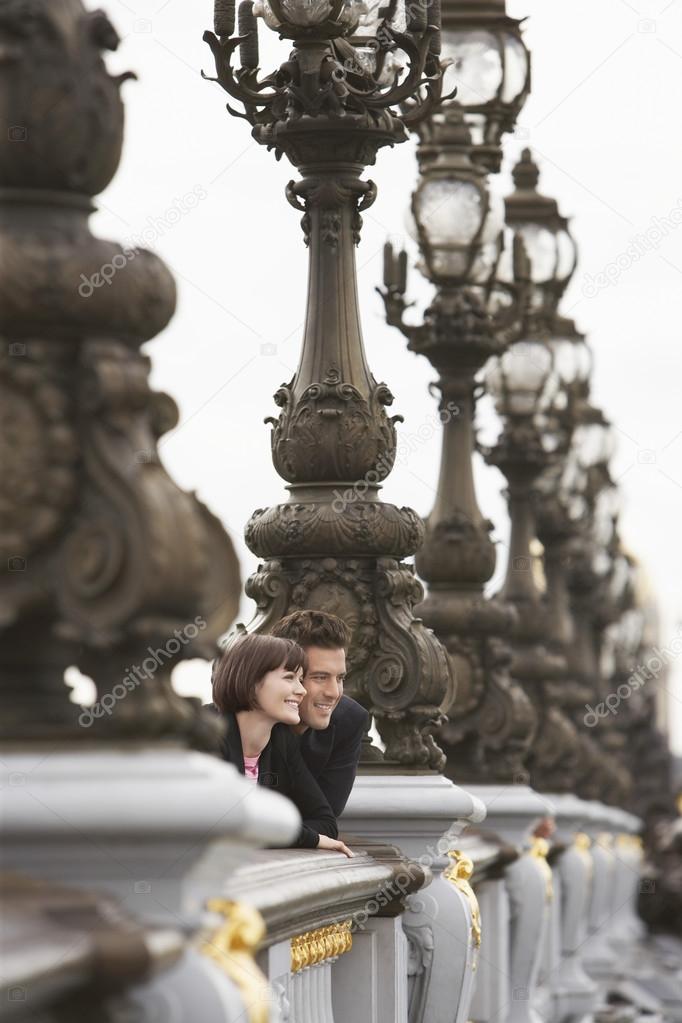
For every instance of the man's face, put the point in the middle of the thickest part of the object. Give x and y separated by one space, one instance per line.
323 684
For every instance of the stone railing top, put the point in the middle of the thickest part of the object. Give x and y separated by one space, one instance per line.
297 890
572 814
419 797
161 828
126 793
515 800
612 818
489 853
513 810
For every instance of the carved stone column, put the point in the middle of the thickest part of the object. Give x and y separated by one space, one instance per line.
105 564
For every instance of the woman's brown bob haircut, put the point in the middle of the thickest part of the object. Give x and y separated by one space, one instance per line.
314 628
244 664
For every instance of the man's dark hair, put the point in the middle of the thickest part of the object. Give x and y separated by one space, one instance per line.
314 628
243 665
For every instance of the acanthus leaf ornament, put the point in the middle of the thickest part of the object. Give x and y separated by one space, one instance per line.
394 666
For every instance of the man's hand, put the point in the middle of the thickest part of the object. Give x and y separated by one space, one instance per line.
335 844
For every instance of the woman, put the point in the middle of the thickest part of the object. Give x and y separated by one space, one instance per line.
257 689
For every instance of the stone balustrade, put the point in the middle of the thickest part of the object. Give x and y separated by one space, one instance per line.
333 932
544 934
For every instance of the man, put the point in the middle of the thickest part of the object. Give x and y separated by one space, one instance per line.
332 725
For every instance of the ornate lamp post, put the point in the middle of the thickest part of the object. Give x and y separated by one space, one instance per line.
458 225
524 386
559 507
105 562
536 220
455 219
590 500
334 544
536 404
459 229
490 68
106 565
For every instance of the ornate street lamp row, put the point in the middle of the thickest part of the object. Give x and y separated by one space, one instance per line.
528 661
503 695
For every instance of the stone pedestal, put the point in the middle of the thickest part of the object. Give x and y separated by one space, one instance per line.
424 815
513 936
159 828
572 993
599 957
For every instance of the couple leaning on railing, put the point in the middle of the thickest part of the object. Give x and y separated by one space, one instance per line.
288 725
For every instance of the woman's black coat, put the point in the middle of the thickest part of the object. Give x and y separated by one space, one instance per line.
281 767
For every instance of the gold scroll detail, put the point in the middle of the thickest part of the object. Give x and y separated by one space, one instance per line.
459 872
317 946
633 843
233 946
605 840
583 843
538 850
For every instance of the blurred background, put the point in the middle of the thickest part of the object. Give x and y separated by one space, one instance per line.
602 121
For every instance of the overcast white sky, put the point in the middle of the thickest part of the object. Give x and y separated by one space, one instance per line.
603 121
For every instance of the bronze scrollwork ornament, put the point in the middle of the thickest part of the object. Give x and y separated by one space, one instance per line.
103 556
329 108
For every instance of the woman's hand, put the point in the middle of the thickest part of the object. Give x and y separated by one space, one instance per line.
335 844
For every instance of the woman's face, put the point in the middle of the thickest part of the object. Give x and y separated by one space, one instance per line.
279 695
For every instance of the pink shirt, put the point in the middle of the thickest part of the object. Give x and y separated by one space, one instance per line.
251 768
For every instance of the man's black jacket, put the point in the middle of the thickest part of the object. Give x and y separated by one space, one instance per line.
332 754
281 767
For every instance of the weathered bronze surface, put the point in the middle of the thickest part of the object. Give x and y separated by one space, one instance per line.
105 563
334 545
490 720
